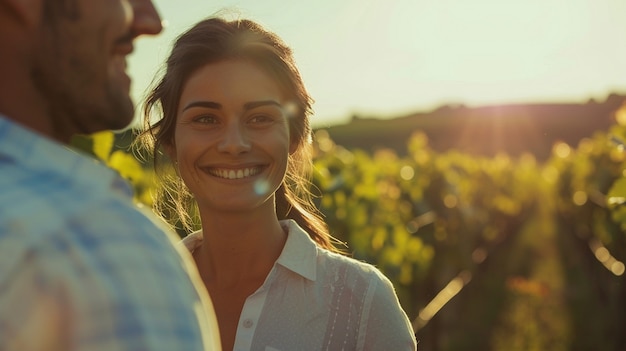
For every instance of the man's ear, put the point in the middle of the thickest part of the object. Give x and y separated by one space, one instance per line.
28 12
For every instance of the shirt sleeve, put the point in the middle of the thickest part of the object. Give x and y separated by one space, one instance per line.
131 288
386 326
109 280
31 314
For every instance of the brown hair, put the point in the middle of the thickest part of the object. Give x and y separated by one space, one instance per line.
213 40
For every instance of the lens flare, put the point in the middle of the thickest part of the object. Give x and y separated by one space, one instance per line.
291 109
261 187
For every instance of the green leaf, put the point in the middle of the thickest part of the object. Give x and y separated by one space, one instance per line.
103 144
617 193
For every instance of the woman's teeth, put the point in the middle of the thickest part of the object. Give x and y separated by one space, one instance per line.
235 174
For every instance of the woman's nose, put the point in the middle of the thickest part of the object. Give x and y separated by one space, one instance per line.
234 140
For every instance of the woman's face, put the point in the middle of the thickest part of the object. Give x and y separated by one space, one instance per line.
232 136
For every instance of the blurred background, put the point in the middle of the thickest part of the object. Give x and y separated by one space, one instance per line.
472 150
389 57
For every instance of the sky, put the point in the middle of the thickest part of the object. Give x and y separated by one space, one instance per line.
387 58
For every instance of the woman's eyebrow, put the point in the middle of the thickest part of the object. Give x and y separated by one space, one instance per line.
218 106
207 104
255 104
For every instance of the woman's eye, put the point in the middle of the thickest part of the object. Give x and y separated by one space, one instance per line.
206 119
261 119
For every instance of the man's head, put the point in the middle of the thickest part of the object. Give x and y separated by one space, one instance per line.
73 54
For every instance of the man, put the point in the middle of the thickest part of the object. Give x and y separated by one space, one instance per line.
81 268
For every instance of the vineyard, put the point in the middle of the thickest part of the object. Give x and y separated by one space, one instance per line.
486 253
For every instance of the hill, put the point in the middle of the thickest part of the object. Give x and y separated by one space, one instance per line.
513 129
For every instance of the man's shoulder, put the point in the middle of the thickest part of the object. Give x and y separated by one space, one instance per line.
51 213
34 201
62 213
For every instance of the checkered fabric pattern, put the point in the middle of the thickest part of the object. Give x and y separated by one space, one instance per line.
81 268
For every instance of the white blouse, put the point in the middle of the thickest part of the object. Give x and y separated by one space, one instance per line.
314 299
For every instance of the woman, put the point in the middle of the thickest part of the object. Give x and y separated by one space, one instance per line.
234 120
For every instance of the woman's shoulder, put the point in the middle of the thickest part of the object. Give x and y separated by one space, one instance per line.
350 266
331 265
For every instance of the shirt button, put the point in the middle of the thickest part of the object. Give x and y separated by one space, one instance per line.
248 323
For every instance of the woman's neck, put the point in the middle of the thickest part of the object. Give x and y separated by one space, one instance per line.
238 249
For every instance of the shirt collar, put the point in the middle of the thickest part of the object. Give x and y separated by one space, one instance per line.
40 154
300 252
192 241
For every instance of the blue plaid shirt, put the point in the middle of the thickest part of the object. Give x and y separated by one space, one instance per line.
81 268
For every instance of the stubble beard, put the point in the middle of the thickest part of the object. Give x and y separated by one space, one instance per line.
81 97
73 110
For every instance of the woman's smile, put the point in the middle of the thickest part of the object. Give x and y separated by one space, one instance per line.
234 173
